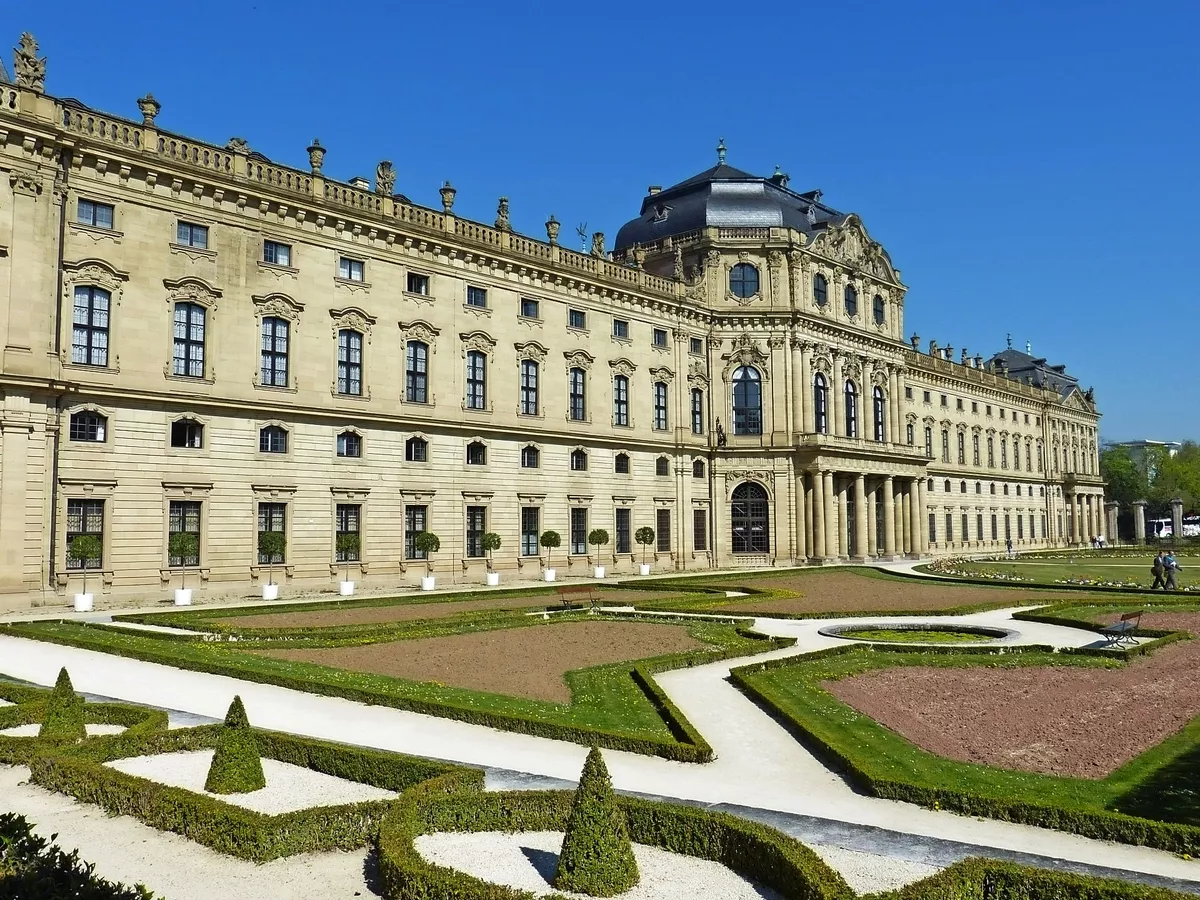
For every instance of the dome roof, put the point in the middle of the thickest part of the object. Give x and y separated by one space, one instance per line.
726 197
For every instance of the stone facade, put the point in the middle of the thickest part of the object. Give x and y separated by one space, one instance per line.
198 340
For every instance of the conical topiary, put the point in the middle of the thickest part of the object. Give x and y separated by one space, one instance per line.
64 712
596 856
236 768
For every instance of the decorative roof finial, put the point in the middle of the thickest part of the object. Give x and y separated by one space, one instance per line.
721 152
1029 348
1010 341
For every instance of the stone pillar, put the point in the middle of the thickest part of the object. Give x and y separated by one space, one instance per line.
922 531
873 538
810 531
1110 522
1069 523
837 397
889 518
800 542
1079 536
843 518
1139 521
831 544
1176 520
893 406
913 502
798 387
14 492
862 551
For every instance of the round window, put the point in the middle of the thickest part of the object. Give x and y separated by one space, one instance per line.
743 280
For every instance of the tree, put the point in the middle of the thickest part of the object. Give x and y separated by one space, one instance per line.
427 543
348 544
236 767
270 545
185 545
64 712
83 549
1126 480
491 543
550 540
1176 476
645 537
597 537
596 856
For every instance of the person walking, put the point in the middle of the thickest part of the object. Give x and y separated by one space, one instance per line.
1171 567
1158 570
1008 548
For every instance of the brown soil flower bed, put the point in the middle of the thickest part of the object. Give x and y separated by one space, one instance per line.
833 592
405 612
1057 720
521 662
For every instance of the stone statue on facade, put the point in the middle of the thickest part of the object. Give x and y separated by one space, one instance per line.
721 439
28 68
237 145
677 271
598 243
385 178
502 222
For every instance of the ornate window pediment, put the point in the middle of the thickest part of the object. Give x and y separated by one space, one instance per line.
279 305
94 272
192 290
418 330
353 318
530 350
746 352
478 340
697 377
662 373
622 366
578 359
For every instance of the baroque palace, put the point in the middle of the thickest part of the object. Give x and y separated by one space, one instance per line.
199 340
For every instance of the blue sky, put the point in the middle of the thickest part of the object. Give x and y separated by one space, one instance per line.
1030 167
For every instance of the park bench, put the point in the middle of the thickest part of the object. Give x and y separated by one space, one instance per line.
1124 629
580 592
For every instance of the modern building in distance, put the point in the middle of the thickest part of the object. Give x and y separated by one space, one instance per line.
199 340
1146 453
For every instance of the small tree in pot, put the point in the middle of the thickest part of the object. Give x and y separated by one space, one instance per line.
427 543
183 545
645 537
598 537
491 543
83 549
550 540
348 544
271 544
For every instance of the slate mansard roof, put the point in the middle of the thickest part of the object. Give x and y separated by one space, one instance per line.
1020 365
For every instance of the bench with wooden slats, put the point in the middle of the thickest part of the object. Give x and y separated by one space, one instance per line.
1122 630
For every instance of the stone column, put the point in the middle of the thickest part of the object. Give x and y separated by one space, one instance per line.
1139 520
893 406
889 518
837 397
800 543
843 521
903 519
873 538
831 543
1176 520
1110 522
797 388
922 517
810 530
804 389
861 548
1079 536
913 502
1069 522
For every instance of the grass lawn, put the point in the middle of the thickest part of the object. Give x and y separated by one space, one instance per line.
912 636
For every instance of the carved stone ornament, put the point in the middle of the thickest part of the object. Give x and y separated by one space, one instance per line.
149 108
746 352
622 367
477 340
29 69
764 477
552 229
697 377
353 318
677 270
598 243
879 377
448 192
25 183
418 331
316 156
95 272
237 145
280 306
191 290
822 364
502 222
531 350
578 359
849 244
385 178
662 373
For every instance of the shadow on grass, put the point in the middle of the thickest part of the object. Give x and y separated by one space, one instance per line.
1171 794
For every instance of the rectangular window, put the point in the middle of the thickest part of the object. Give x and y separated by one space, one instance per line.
908 434
576 318
189 340
949 528
351 269
85 518
347 520
1020 528
529 387
416 450
995 529
189 235
579 519
624 529
98 215
945 400
476 296
988 409
662 529
578 397
962 448
620 400
273 371
945 446
660 337
660 406
276 253
929 442
529 308
89 336
416 519
183 517
349 362
695 346
975 449
700 529
1003 453
417 284
272 517
933 528
476 379
620 329
926 397
908 394
476 525
697 411
958 404
530 519
965 521
416 372
978 527
991 453
974 407
1002 412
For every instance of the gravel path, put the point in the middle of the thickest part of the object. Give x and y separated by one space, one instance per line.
870 873
31 730
123 849
289 787
527 861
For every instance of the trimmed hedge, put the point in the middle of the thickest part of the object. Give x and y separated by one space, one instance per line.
63 719
235 768
596 856
80 772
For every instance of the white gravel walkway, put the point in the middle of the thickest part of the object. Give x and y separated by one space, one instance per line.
871 873
31 730
288 789
527 861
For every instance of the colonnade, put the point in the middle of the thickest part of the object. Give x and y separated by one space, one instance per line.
1085 518
852 515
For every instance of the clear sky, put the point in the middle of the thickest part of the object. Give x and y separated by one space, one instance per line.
1030 166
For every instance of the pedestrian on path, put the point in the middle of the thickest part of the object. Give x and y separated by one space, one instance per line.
1171 567
1158 570
1008 548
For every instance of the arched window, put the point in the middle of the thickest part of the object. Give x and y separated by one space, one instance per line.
747 401
748 513
578 394
946 487
416 372
962 487
416 449
89 336
579 461
820 404
189 340
349 444
877 394
851 298
476 453
662 466
531 457
851 409
529 387
820 290
476 379
349 362
743 280
697 411
880 310
621 463
620 400
272 439
88 426
697 468
274 368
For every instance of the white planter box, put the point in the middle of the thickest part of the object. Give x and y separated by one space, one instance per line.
493 579
183 596
83 603
598 571
346 588
428 582
549 574
643 568
270 592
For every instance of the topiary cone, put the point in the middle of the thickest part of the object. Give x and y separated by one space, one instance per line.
64 712
236 768
596 857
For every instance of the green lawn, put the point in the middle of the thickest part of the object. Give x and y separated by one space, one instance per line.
912 636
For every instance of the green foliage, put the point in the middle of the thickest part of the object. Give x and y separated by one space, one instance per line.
550 540
272 544
914 635
348 544
32 868
185 545
1126 480
236 768
83 549
596 857
491 543
64 718
427 543
645 537
1176 476
597 537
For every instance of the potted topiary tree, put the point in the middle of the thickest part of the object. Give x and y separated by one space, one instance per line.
491 543
645 537
270 545
550 540
185 545
598 537
348 544
83 549
428 544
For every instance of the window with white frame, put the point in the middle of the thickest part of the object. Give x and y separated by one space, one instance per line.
89 334
188 355
188 234
276 335
277 254
351 269
660 406
98 215
476 379
529 387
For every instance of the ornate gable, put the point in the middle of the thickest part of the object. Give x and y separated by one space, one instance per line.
850 245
